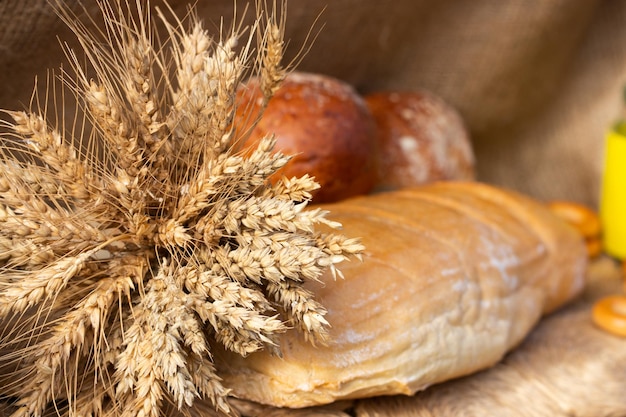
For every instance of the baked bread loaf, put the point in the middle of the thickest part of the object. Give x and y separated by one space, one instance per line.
565 367
323 124
421 139
455 275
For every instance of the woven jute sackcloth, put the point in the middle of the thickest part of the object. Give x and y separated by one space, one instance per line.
537 83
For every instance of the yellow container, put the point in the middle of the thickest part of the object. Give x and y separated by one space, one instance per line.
613 197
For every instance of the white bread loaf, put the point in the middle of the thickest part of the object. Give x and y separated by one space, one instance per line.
454 276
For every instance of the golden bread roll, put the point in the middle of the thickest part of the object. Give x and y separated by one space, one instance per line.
454 276
324 124
421 139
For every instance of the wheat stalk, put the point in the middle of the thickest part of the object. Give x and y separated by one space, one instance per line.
133 237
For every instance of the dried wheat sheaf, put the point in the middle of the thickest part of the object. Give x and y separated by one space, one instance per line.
132 236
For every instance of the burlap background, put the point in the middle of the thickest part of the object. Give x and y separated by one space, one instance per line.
537 81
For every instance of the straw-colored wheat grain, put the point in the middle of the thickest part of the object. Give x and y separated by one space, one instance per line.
305 314
48 145
109 116
37 285
214 286
134 238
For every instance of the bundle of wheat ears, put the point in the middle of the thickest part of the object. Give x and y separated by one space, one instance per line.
132 236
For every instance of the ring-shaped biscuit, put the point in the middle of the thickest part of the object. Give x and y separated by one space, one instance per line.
585 220
594 247
609 313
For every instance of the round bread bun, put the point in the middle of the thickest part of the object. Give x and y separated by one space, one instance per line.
323 124
420 139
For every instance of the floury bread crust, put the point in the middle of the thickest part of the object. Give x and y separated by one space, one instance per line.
421 139
454 276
